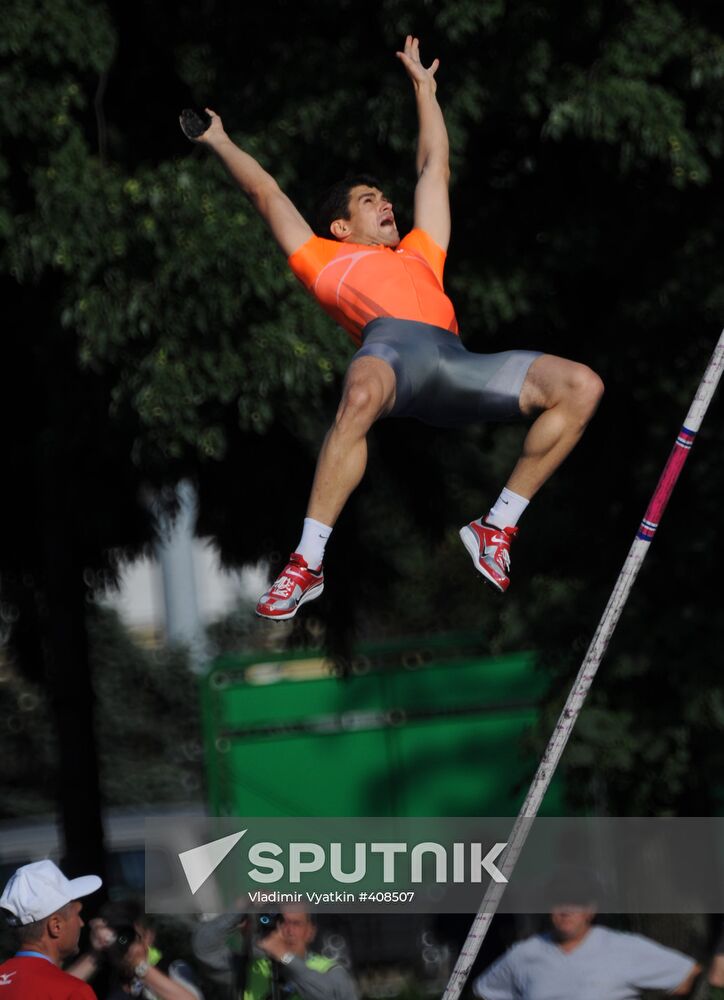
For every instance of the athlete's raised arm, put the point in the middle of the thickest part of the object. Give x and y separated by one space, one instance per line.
288 226
432 203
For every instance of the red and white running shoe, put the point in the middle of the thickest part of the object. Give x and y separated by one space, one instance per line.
490 550
296 584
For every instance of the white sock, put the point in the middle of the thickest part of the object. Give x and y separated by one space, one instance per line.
507 509
314 539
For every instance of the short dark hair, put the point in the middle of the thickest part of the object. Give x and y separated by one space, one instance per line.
334 202
575 885
30 933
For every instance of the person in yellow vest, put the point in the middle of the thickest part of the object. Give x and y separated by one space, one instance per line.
303 974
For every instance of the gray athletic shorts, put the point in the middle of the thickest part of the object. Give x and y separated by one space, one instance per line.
439 381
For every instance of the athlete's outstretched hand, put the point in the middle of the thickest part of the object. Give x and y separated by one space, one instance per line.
213 134
410 59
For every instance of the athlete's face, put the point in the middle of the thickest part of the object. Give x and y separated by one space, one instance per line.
371 219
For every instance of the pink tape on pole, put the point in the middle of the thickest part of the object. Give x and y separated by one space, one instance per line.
659 500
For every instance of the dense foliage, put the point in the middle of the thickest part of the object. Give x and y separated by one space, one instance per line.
146 727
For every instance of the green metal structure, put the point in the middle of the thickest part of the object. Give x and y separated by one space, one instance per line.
422 727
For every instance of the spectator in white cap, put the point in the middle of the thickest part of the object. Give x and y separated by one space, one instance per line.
44 908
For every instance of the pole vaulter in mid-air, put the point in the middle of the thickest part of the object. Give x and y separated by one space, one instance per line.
388 295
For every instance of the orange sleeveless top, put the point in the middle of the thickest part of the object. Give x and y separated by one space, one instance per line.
355 283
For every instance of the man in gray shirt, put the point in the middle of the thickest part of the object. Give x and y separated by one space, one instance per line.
576 961
303 974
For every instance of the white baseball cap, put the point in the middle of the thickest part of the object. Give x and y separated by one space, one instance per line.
39 889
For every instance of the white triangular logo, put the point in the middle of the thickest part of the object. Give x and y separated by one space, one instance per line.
200 862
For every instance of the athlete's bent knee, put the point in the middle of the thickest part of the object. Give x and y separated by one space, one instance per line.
362 403
586 390
362 396
573 388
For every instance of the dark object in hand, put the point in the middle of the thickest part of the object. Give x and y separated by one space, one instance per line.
194 123
266 923
125 936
